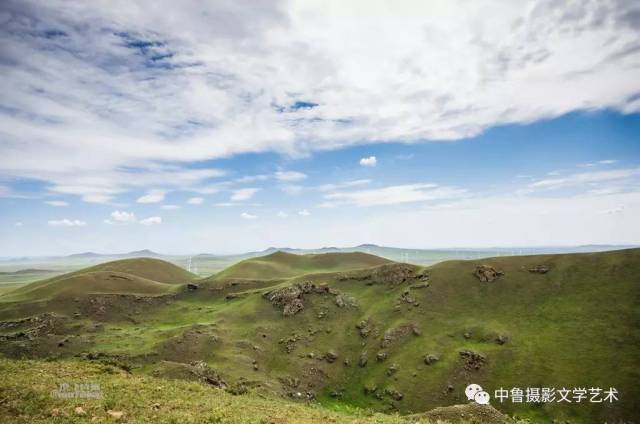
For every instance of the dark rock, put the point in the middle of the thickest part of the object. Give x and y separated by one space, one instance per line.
394 394
539 269
382 356
331 356
473 361
192 286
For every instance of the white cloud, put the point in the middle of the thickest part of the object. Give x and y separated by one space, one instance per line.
282 214
290 176
370 161
66 223
346 184
57 203
246 215
153 196
121 217
225 204
585 178
170 207
393 195
18 224
304 212
243 194
608 161
152 220
195 201
251 178
197 100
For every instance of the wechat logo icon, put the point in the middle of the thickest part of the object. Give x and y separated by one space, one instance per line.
475 393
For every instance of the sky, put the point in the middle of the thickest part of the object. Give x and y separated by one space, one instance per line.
231 126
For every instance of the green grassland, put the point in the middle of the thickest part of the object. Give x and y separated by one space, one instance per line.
575 326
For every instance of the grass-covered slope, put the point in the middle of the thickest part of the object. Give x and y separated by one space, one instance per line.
285 265
575 326
149 268
144 276
94 282
26 388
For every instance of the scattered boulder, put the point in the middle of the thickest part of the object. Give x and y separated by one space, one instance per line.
502 339
364 328
382 356
362 362
331 356
343 300
203 372
289 343
79 410
539 269
487 273
406 297
370 389
473 361
419 286
431 359
392 369
393 394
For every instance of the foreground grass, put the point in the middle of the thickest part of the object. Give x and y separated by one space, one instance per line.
26 397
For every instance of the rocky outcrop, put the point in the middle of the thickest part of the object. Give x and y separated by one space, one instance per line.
291 298
487 273
391 274
473 361
468 413
392 335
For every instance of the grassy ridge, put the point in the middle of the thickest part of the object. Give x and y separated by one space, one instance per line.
286 265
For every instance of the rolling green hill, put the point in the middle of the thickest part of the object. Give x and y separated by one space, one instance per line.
285 265
390 337
144 276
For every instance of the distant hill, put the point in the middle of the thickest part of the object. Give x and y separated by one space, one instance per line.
128 276
149 268
285 265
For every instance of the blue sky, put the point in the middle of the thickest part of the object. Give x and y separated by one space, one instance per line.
243 127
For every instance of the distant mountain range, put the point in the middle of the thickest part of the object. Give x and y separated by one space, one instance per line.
393 253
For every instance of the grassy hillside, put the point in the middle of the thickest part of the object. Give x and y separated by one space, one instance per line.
144 276
149 268
26 389
574 326
92 282
284 265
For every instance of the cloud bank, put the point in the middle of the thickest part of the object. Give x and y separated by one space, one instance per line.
120 95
